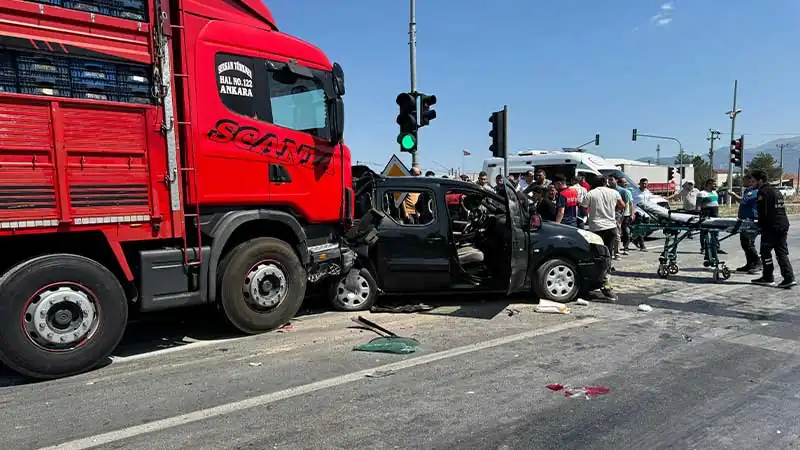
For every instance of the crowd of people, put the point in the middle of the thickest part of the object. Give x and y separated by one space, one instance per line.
608 210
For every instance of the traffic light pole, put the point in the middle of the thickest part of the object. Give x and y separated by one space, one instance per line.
733 113
505 142
412 49
669 138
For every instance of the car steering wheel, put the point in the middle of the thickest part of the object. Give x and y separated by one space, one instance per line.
476 218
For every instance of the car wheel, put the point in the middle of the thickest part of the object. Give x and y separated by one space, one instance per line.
359 297
558 280
60 315
262 285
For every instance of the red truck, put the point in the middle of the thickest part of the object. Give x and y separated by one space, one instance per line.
157 154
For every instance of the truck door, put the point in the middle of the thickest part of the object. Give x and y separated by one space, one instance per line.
412 256
518 245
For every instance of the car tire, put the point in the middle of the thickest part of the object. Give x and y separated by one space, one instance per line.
262 285
362 300
60 315
558 280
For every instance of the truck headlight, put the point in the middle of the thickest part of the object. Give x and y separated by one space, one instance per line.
592 238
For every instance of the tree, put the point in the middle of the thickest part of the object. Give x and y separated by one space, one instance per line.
702 170
766 163
687 159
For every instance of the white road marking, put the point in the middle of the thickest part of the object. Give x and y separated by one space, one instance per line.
179 348
774 344
261 400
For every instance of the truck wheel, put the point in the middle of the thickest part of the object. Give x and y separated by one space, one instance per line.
59 315
558 280
359 297
262 285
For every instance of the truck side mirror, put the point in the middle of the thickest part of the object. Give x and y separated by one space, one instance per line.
338 79
337 120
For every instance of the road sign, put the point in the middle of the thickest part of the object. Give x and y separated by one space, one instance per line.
396 168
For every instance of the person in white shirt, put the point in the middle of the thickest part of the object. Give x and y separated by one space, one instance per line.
688 195
603 203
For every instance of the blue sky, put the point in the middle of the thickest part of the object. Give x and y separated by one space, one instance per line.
567 69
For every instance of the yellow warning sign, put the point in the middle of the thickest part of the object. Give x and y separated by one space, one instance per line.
396 168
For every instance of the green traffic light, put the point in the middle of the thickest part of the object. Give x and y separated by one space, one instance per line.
407 141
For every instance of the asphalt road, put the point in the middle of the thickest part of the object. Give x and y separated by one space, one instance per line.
713 366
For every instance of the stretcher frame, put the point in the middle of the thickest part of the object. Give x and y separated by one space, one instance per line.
678 226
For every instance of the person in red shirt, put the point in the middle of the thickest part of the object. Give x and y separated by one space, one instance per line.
566 202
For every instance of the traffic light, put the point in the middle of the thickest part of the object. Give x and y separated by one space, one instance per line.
407 119
427 114
682 170
498 134
596 140
670 173
635 134
737 149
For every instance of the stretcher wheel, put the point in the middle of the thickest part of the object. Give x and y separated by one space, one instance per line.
663 271
706 263
673 269
726 273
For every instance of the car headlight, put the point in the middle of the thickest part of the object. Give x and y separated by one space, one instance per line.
592 238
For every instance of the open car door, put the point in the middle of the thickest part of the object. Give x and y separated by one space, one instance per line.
519 242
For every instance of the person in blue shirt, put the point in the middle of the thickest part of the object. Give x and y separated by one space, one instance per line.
747 211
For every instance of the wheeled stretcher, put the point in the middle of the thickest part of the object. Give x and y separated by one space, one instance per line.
677 226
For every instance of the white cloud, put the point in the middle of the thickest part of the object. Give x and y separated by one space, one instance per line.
664 16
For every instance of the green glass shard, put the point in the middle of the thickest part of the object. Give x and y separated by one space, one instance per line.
397 345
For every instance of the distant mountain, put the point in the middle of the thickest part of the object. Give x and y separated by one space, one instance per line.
791 153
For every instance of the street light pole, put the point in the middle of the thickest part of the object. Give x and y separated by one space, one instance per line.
732 114
412 49
780 148
713 136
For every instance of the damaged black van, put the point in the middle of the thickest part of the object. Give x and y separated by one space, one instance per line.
437 235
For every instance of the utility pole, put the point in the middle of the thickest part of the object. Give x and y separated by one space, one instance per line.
780 164
412 50
658 154
732 114
713 135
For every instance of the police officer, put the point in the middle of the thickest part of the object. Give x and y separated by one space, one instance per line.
747 211
774 227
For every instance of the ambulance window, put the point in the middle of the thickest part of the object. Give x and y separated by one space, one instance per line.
298 103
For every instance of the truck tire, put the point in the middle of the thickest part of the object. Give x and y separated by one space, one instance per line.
60 315
558 280
262 285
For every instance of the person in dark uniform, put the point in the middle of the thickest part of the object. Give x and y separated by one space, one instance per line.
774 227
747 211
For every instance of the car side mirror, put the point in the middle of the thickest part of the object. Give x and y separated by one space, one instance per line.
536 222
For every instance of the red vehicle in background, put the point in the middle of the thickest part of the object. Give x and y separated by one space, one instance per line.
156 154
